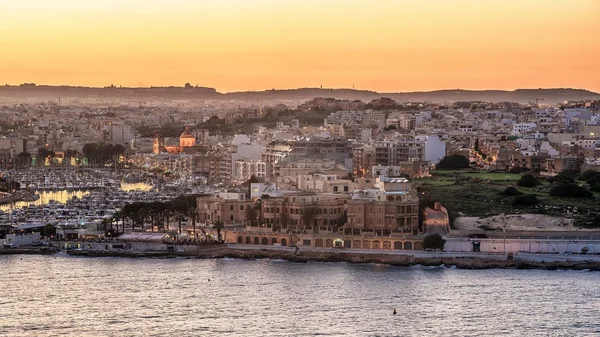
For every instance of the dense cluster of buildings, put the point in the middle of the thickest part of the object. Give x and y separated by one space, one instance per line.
347 178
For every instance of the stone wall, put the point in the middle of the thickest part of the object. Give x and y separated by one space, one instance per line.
324 240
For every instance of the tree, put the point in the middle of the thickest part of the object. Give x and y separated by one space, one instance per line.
453 162
570 191
476 147
587 175
593 180
45 153
71 153
510 191
525 200
251 215
562 179
528 181
308 216
218 226
434 241
341 220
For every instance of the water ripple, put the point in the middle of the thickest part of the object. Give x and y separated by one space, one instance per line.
61 295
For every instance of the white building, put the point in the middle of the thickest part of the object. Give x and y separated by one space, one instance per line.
434 149
121 134
520 128
245 169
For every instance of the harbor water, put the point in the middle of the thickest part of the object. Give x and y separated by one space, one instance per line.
63 295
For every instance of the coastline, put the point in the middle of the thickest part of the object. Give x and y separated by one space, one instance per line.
402 260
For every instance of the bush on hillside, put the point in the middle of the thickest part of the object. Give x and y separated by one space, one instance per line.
586 175
453 162
528 181
595 187
593 180
570 173
570 191
525 200
562 179
510 192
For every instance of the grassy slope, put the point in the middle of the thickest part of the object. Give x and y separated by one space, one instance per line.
480 195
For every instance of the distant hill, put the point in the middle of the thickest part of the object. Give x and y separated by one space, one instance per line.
548 96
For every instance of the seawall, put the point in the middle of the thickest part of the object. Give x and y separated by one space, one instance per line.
532 261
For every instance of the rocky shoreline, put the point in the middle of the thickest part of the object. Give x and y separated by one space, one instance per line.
348 257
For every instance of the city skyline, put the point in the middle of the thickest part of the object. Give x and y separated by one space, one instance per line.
385 46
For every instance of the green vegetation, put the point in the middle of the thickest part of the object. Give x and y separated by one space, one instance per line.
569 190
453 162
510 192
483 194
525 200
269 119
434 241
102 152
586 175
528 181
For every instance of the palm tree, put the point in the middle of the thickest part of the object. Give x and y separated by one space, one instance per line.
180 217
167 215
218 225
192 211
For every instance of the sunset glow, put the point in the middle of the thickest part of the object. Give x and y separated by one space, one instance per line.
383 45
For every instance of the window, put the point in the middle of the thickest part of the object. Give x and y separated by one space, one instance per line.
241 207
231 208
345 188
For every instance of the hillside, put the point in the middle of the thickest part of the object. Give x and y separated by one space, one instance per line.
547 96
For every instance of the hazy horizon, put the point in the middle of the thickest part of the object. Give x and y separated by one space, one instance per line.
235 45
282 89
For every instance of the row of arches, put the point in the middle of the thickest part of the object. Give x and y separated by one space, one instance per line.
329 243
260 241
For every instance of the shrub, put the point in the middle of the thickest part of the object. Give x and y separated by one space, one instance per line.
562 179
525 200
593 180
434 241
453 162
528 181
570 173
510 191
586 175
595 187
570 191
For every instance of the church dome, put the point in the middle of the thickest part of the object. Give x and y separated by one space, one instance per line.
187 133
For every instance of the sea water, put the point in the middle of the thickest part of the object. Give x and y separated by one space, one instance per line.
71 296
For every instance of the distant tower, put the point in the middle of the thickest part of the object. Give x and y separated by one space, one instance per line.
158 144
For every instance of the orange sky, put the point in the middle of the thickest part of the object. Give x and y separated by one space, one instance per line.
383 45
